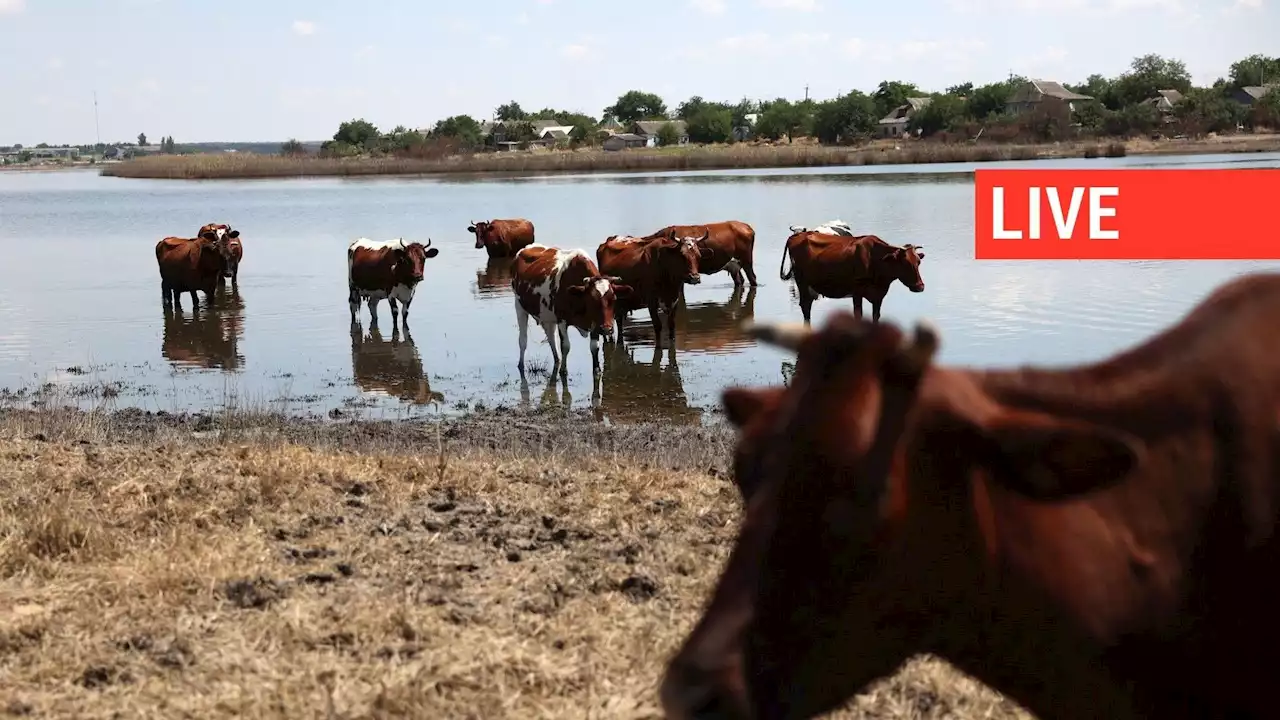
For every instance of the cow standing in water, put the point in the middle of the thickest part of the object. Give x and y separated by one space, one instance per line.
728 246
657 271
562 288
502 238
390 270
188 265
1098 541
839 266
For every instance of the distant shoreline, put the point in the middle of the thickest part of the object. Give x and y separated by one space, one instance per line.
244 166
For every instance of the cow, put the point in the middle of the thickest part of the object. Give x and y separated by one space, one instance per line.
837 266
502 238
563 288
1097 541
830 227
391 270
188 265
728 246
657 270
233 251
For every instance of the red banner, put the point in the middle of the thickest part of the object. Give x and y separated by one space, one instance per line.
1137 214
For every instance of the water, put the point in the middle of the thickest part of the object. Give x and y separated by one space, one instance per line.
80 298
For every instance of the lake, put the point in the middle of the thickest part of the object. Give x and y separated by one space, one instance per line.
80 306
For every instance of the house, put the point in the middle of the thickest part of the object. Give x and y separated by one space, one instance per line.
648 129
624 141
1034 92
611 125
1250 94
1165 100
895 123
745 130
556 135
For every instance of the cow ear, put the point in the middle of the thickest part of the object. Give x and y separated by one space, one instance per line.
432 252
1045 458
743 403
233 234
209 235
471 228
623 291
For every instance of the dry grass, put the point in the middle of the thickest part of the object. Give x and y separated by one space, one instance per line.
153 566
718 157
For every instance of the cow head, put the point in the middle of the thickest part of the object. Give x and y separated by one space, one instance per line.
904 264
483 231
411 260
679 256
860 545
221 234
599 294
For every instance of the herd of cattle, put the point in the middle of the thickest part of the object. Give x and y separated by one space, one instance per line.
1097 541
563 288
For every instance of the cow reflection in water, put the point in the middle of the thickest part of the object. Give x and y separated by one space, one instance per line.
495 277
632 390
206 337
392 367
707 326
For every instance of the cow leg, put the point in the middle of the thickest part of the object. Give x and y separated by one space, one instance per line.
735 271
166 294
522 322
550 330
657 324
875 311
353 300
373 311
235 275
671 322
750 270
806 300
195 299
564 350
595 354
857 306
404 313
395 311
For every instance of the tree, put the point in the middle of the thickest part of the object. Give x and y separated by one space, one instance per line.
942 113
510 111
711 124
1255 70
893 93
142 140
463 127
961 90
1149 74
668 135
292 148
846 118
990 99
1266 111
1203 110
636 105
360 134
1101 89
167 145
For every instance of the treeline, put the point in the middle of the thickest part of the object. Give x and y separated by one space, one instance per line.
1122 106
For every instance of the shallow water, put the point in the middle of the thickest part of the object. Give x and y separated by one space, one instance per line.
80 299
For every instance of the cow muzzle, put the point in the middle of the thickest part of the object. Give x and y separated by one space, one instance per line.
479 243
918 287
693 279
691 693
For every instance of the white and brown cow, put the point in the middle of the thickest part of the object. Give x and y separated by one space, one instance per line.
560 288
390 270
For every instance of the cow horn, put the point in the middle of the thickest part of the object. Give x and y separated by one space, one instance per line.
424 247
783 335
919 349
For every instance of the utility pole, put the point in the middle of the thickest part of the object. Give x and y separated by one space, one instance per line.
97 133
806 92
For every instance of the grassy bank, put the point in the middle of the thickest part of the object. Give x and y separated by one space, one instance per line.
233 166
256 566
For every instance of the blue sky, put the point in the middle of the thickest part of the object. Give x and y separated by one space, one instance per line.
273 69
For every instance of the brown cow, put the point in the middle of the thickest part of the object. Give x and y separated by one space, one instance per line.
188 265
657 270
391 270
502 238
562 288
232 249
1093 542
838 266
729 246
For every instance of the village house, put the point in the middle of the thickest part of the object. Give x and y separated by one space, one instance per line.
1035 92
1250 94
648 129
895 123
747 128
1164 102
623 141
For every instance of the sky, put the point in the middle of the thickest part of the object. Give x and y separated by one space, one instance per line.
235 70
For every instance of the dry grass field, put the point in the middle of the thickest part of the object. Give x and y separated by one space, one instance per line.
159 566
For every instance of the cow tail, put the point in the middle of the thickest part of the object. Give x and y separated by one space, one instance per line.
786 274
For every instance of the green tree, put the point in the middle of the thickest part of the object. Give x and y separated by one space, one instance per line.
359 134
990 99
142 140
463 127
961 90
1099 88
1266 111
1255 70
510 111
781 117
292 147
636 105
711 124
893 93
846 118
942 113
668 135
1148 74
1202 110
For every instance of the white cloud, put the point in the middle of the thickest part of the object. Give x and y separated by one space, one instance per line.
853 47
365 52
43 100
759 42
574 51
149 85
55 63
797 5
303 27
1051 58
709 7
12 7
494 40
522 18
956 50
1245 5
